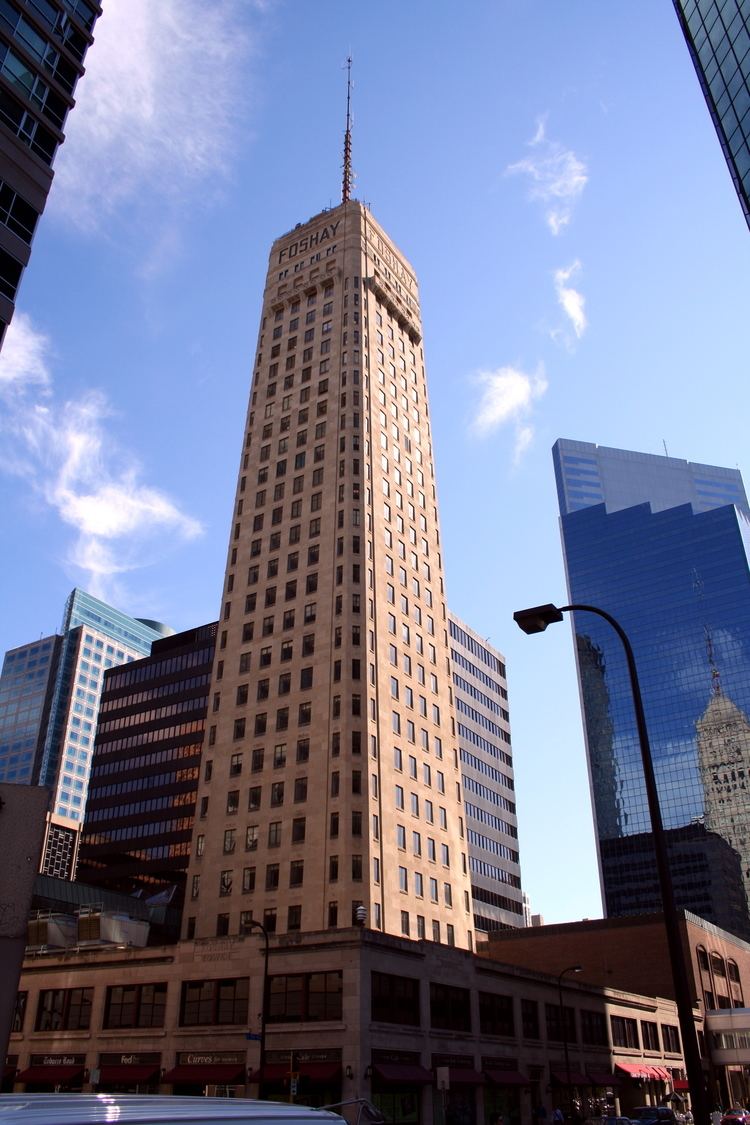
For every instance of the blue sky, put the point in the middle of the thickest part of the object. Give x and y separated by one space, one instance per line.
552 174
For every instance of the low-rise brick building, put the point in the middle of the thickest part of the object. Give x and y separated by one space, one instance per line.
349 1013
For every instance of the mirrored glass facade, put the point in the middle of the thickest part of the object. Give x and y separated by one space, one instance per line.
718 36
676 578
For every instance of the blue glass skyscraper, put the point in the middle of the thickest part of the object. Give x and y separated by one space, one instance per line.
49 700
662 545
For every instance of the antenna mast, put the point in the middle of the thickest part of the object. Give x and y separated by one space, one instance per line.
346 186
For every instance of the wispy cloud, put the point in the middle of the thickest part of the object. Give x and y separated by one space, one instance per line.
508 398
572 302
68 458
557 177
165 86
25 359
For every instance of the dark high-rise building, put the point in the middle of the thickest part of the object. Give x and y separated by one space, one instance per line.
718 37
144 775
661 545
42 47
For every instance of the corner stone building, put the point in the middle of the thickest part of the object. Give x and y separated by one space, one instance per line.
330 774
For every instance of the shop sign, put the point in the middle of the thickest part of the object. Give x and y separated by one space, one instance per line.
58 1060
210 1058
150 1058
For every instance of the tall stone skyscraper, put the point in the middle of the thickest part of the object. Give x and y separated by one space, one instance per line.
331 778
724 758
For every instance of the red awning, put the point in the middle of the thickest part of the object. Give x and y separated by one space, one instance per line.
208 1074
681 1084
413 1073
465 1076
603 1078
635 1070
661 1073
56 1075
576 1078
507 1078
119 1072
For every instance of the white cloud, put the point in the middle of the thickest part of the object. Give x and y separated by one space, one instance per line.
164 88
524 438
508 397
557 177
571 301
69 459
25 359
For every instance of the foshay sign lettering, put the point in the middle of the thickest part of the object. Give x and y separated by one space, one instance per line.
308 241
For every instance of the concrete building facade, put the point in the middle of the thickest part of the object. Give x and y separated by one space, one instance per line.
480 696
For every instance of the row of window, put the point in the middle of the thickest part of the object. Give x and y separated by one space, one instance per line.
396 999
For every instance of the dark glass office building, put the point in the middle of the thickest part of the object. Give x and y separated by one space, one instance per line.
144 775
42 47
717 33
662 545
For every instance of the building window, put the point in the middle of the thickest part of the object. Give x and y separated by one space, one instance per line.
624 1032
64 1009
530 1019
305 997
496 1014
649 1034
670 1038
449 1007
19 1012
214 1002
135 1005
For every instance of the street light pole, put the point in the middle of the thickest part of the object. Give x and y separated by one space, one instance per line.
256 925
536 620
564 1030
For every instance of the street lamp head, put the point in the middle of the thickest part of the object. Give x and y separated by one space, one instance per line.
537 619
570 969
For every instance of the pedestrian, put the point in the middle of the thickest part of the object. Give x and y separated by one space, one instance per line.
558 1116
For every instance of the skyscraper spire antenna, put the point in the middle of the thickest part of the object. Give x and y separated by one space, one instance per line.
346 186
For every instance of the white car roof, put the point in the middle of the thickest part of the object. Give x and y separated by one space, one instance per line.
142 1109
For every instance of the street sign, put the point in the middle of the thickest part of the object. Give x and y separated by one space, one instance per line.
293 1087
